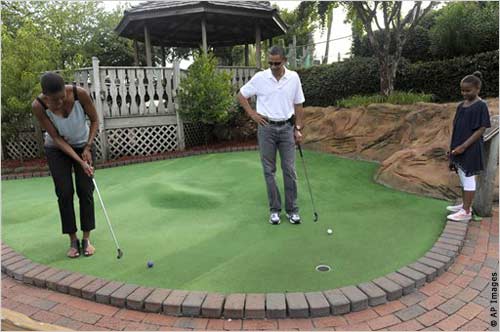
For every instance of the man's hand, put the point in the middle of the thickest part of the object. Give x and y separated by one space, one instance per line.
258 118
458 150
87 155
298 136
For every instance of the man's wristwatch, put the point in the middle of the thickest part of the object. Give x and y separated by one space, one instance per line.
299 128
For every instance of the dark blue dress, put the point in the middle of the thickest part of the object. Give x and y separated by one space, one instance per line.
467 120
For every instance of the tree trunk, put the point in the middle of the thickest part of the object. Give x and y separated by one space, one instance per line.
328 35
386 77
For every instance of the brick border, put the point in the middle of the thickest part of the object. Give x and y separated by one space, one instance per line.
347 299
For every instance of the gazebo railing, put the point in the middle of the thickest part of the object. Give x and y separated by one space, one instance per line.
240 74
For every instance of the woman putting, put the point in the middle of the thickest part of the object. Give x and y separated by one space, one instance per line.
61 110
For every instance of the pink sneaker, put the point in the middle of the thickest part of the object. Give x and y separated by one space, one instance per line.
460 216
455 208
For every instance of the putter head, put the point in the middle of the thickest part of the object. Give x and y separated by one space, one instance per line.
316 217
120 254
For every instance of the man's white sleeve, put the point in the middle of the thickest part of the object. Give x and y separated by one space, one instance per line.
249 90
299 94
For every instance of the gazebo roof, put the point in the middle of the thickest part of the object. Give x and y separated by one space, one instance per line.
178 23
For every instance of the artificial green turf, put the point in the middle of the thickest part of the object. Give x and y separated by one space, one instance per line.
203 221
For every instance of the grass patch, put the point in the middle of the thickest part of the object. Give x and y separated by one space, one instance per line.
202 220
397 97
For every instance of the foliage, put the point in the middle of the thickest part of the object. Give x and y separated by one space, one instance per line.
465 28
442 78
26 52
394 28
205 94
38 36
397 97
325 85
416 48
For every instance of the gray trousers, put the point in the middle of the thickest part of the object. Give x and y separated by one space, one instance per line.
280 138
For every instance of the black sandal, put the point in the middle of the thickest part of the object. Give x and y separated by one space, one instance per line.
85 248
74 245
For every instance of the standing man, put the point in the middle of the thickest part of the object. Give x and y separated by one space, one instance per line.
279 117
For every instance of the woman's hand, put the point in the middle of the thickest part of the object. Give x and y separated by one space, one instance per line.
458 150
87 155
87 168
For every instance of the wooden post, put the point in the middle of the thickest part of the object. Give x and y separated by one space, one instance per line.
204 35
293 53
163 56
246 56
147 41
98 107
483 199
181 143
258 62
136 53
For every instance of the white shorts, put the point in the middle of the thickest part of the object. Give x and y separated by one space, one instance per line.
468 182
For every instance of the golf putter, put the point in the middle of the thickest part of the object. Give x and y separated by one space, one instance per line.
316 217
120 252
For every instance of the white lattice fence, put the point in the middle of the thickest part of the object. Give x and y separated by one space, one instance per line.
24 146
98 147
141 140
194 134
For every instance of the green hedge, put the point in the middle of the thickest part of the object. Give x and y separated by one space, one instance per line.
442 78
326 84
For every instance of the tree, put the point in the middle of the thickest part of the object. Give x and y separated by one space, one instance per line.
395 28
25 55
465 28
40 36
205 94
325 14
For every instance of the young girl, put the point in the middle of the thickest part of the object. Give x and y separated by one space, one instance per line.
466 149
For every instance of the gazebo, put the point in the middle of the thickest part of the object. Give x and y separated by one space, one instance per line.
205 23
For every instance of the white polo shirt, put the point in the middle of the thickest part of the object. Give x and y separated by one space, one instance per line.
275 99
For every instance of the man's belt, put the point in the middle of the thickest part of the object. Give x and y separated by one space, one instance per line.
280 123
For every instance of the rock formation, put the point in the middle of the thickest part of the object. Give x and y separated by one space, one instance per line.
410 141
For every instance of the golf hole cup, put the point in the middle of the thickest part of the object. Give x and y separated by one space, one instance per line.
150 264
329 231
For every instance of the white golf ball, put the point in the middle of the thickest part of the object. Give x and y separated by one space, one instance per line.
329 231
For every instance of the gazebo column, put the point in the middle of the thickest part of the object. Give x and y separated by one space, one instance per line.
204 34
246 55
257 47
147 40
163 56
136 53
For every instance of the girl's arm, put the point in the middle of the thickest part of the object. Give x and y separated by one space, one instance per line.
465 145
46 124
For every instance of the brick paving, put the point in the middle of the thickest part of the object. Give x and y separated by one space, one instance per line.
458 299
